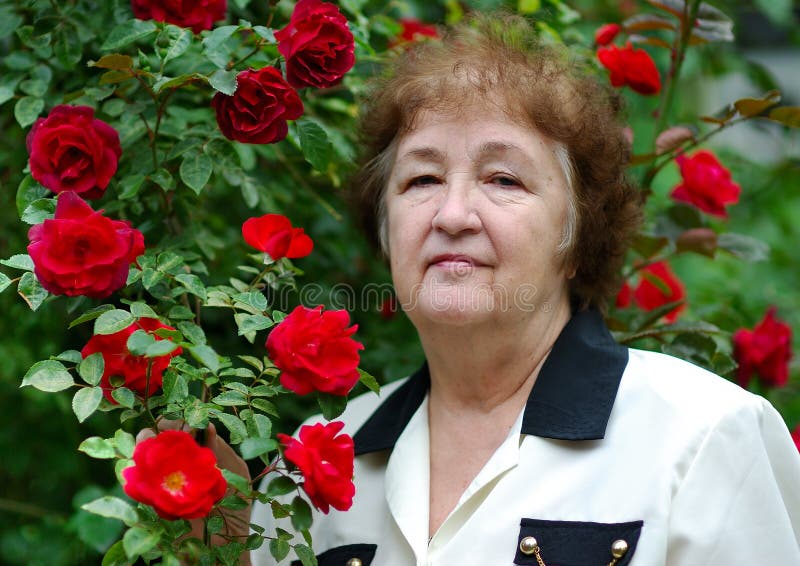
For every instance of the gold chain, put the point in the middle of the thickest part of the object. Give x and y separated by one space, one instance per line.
537 553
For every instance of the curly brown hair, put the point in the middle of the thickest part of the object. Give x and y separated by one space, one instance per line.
500 58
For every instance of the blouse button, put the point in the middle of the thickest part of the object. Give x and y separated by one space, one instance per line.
528 545
619 548
354 562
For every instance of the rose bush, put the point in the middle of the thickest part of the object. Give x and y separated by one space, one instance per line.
196 14
317 44
257 112
81 252
71 150
274 235
658 286
314 350
175 476
632 67
706 183
325 459
765 350
138 373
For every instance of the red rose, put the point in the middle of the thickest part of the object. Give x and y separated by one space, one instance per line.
706 183
121 364
81 252
414 30
326 462
765 350
258 110
274 234
176 476
317 45
632 67
657 286
314 351
195 14
606 33
70 150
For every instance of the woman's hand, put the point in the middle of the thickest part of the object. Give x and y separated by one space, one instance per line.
236 523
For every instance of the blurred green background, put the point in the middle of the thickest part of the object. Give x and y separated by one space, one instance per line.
44 480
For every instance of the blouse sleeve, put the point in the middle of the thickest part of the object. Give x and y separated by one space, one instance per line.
739 502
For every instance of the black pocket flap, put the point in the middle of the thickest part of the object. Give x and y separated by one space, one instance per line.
576 543
347 555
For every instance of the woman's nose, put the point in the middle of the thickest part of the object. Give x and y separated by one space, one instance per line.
456 210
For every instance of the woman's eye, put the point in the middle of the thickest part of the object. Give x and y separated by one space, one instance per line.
422 181
505 181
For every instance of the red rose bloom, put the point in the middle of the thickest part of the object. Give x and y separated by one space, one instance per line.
414 30
121 364
317 45
657 286
195 14
765 350
606 33
81 252
315 352
326 462
176 476
706 183
70 150
274 234
796 437
632 67
258 110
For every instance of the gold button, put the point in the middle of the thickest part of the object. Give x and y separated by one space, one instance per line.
354 562
528 545
619 548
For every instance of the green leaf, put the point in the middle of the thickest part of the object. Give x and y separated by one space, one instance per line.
99 448
252 323
301 514
218 36
129 186
196 415
223 81
125 443
27 109
175 387
180 312
193 333
236 481
19 261
233 502
786 115
331 405
528 6
91 368
180 40
5 281
115 556
206 356
193 284
113 321
128 32
230 399
38 211
314 144
254 447
215 525
163 179
124 397
137 541
31 290
779 12
86 401
265 407
141 309
253 299
280 486
305 554
28 191
71 356
369 381
235 426
6 94
114 61
48 375
67 45
113 508
91 314
279 549
196 170
744 247
160 348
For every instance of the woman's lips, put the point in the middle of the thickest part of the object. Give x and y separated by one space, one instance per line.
455 262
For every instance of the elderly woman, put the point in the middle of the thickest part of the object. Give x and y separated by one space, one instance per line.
494 181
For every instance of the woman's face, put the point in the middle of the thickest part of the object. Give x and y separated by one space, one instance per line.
476 207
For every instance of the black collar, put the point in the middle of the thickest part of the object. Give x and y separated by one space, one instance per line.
571 399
